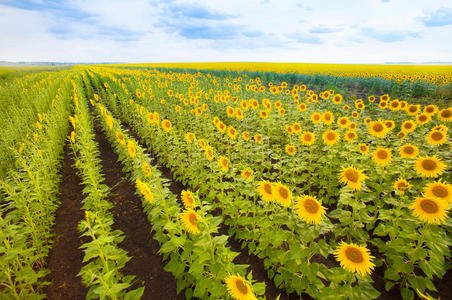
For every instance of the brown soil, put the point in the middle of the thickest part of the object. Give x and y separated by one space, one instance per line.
129 217
65 258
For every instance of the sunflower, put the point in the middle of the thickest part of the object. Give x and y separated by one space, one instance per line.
190 220
413 109
238 288
441 127
302 107
430 166
202 143
309 209
371 99
367 121
350 136
316 118
354 258
296 127
431 109
263 114
109 121
378 129
430 210
281 111
290 149
337 99
390 124
246 135
343 122
223 163
439 190
327 118
385 97
394 105
232 133
352 126
258 138
401 134
408 126
247 174
409 151
307 138
72 137
230 111
382 156
383 104
330 137
436 137
445 115
402 185
166 125
265 189
189 136
131 148
422 119
146 168
363 149
352 177
221 126
289 129
188 199
208 152
254 104
403 105
145 190
346 107
282 194
239 114
355 115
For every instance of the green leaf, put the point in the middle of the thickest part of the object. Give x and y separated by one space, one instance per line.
407 294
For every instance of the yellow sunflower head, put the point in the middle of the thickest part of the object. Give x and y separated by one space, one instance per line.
246 135
188 199
409 151
120 138
189 136
413 109
430 166
316 118
343 122
131 148
296 127
430 210
445 115
330 137
402 185
354 258
408 126
232 132
431 109
190 221
145 190
166 125
258 138
307 138
350 136
282 194
223 163
422 119
290 149
378 129
390 124
146 168
302 107
328 118
437 137
363 149
382 156
309 209
352 177
238 288
265 189
337 99
247 174
439 190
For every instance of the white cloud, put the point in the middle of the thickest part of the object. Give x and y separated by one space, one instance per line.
234 30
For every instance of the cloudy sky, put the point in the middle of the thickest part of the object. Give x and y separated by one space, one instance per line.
347 31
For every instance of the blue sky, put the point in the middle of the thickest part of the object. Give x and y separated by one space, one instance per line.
326 31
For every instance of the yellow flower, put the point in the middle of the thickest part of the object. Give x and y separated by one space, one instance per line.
431 109
258 138
337 99
223 163
350 136
363 149
246 135
145 190
409 151
265 189
120 138
189 136
316 118
246 174
378 129
408 126
290 149
330 137
328 118
382 156
352 177
209 152
109 121
282 194
439 190
445 115
430 166
343 122
232 133
147 169
422 119
263 114
296 127
430 210
309 209
190 220
131 148
436 137
238 288
307 138
166 125
354 258
402 185
188 199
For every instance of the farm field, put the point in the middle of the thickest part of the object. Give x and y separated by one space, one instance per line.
226 181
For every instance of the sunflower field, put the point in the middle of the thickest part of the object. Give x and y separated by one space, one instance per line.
251 186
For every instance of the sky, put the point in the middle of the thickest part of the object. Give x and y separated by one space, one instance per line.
317 31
